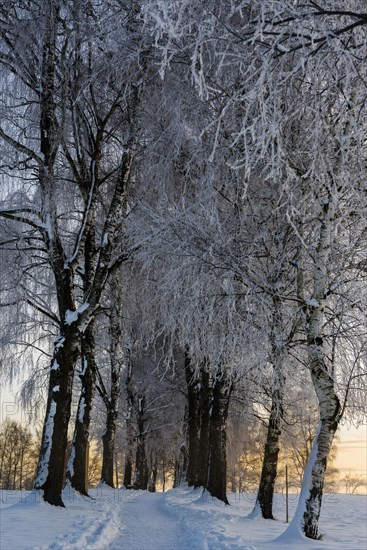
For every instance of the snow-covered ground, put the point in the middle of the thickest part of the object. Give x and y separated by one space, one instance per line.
181 519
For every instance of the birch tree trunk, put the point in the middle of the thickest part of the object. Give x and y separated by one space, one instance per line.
217 474
193 422
309 507
329 404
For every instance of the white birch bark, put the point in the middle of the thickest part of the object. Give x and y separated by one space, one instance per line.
309 507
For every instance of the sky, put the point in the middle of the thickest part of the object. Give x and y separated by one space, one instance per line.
352 450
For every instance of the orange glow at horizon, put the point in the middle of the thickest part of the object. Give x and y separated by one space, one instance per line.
352 453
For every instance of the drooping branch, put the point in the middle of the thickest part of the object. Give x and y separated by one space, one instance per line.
18 216
323 36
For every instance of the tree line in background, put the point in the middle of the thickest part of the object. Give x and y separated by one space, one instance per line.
183 235
20 449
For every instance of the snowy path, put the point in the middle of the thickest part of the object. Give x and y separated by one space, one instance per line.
146 525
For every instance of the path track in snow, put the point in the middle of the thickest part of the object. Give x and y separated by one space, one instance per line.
146 524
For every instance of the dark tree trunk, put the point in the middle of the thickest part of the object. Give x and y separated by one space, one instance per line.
217 477
233 481
112 401
128 469
205 404
51 463
270 462
153 474
109 436
141 465
193 422
180 466
177 473
184 457
78 467
163 475
128 472
184 463
108 440
265 495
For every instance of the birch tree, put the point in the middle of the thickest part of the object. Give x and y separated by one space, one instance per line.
74 138
336 199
